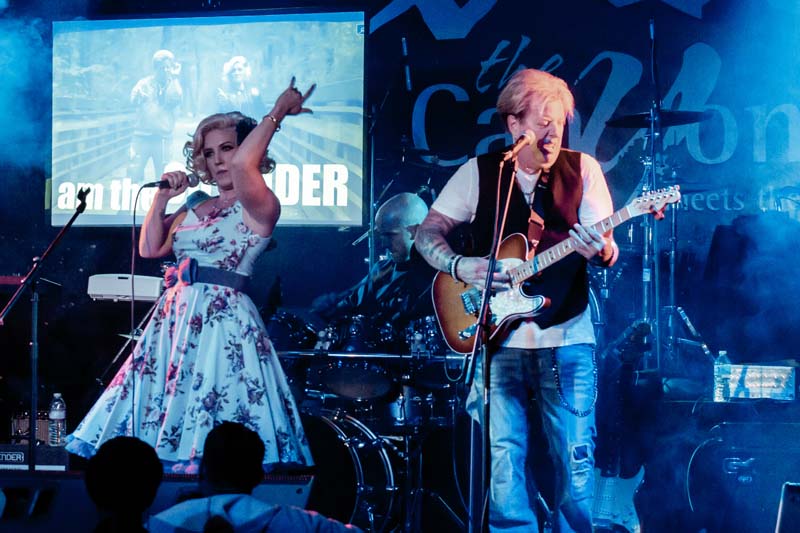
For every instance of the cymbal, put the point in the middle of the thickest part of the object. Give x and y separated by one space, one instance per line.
668 118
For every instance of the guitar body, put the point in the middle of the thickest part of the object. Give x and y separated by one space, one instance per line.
457 304
614 509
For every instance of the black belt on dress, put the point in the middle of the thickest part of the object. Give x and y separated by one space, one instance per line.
188 272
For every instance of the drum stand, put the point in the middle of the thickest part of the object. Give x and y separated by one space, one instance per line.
651 309
413 490
675 313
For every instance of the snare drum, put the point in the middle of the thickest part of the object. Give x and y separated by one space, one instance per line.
354 477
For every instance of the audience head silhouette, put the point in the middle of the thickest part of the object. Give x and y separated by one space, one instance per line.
122 479
232 458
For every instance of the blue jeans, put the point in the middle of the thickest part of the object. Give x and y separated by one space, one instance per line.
563 381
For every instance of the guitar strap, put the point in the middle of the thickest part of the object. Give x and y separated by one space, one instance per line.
536 218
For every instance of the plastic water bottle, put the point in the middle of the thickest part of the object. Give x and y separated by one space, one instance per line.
57 421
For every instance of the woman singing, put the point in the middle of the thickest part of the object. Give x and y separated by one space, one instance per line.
205 357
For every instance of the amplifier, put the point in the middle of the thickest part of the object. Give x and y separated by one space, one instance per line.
20 423
15 457
735 476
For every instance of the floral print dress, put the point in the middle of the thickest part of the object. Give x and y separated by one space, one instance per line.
203 358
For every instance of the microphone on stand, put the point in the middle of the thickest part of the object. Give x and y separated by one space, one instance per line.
191 178
528 138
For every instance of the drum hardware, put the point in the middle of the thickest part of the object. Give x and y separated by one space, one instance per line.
358 334
654 119
414 490
424 337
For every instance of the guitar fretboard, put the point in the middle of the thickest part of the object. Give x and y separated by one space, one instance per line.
640 206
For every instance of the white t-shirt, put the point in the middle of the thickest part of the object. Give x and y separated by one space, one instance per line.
459 201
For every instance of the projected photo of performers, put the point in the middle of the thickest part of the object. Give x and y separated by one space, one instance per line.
119 123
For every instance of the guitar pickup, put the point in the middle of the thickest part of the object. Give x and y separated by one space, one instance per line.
466 333
470 299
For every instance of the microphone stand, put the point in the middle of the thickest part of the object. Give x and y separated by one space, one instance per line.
31 281
481 349
373 121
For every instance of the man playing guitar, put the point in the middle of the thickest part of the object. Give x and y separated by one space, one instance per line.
557 195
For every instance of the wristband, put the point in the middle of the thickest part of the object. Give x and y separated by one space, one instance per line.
274 121
453 265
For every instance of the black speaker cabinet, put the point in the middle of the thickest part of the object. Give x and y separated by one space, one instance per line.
736 475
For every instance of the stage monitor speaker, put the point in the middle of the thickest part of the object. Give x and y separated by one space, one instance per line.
47 502
789 509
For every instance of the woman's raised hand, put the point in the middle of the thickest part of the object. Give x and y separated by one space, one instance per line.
291 100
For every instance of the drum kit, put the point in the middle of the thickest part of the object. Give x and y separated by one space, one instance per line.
368 396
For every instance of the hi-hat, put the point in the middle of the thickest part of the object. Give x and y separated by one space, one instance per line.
668 118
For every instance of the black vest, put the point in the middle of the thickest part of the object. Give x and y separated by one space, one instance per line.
565 282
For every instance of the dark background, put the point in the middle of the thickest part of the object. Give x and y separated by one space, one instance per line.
737 274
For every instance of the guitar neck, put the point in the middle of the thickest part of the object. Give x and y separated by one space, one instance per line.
561 250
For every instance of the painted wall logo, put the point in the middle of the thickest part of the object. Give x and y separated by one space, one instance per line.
447 20
690 7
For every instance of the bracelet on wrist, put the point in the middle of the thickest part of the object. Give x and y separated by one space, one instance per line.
452 266
274 121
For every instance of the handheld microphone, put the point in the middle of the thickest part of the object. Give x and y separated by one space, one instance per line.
528 138
406 67
191 178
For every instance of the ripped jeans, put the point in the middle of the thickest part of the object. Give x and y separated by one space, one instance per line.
566 399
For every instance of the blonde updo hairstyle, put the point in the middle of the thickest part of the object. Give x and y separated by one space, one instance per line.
193 150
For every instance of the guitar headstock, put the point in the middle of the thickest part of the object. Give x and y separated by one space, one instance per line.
655 201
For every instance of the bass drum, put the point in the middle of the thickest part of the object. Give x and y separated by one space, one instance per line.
354 478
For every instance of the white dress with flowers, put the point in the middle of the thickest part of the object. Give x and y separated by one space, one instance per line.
203 358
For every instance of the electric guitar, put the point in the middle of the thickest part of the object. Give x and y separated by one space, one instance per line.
457 304
614 509
613 502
